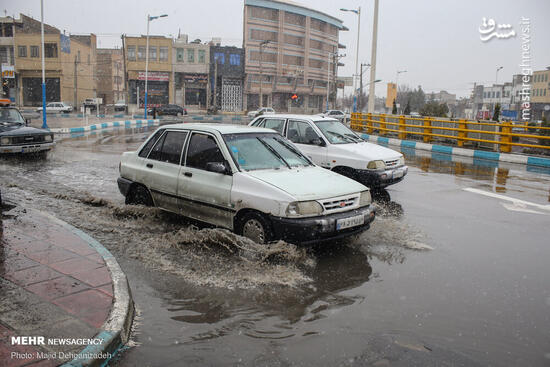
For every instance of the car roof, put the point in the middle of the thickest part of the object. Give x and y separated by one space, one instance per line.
302 117
221 128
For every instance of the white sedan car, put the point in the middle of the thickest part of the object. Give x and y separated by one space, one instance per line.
249 180
261 111
58 107
332 145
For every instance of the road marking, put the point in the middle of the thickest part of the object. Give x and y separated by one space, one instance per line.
517 204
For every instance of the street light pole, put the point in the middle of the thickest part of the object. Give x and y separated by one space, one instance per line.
262 44
149 19
44 122
496 76
358 12
372 94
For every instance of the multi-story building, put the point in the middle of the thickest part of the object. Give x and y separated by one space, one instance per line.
540 94
227 77
290 49
444 97
497 94
191 61
110 75
160 81
7 57
69 64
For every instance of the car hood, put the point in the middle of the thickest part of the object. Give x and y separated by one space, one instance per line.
309 183
13 130
367 151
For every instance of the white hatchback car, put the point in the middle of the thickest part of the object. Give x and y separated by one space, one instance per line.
332 145
249 180
262 111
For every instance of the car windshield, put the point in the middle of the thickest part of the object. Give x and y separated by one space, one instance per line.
336 132
10 116
264 151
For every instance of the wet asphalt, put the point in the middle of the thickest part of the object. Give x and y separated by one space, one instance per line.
447 275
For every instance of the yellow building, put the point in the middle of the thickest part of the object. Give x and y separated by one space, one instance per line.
541 86
69 64
391 94
160 78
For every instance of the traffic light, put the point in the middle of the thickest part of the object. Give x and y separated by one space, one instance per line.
294 97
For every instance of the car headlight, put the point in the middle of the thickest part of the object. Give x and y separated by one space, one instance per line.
4 141
298 208
376 165
365 198
402 161
48 138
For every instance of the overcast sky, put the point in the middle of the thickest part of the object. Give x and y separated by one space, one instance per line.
437 42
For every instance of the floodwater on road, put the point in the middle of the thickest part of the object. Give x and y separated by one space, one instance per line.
454 270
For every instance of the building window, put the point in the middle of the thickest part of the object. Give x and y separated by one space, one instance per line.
190 55
202 56
141 52
6 30
235 59
498 94
88 59
50 50
219 57
294 40
163 54
261 35
78 56
295 19
179 54
266 56
22 51
318 25
3 55
34 51
153 53
264 13
132 53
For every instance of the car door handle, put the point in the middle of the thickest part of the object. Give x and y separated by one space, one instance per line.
188 174
149 165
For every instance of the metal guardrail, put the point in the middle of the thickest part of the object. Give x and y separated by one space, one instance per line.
496 136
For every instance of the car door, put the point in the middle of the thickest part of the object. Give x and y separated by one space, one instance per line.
307 140
162 168
205 195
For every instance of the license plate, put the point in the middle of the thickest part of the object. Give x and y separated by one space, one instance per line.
398 173
350 222
30 149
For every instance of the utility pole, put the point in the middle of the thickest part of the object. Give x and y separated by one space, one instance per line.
262 44
372 93
75 86
125 83
44 122
215 102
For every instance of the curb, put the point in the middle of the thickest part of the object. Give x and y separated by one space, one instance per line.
106 125
115 331
476 154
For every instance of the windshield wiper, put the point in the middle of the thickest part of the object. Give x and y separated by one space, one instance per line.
294 150
342 136
353 136
270 148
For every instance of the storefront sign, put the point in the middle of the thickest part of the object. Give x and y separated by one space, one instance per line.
8 71
155 76
195 78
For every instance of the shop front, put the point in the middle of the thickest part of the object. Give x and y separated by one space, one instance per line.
158 89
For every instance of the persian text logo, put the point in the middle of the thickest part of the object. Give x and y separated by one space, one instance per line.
489 29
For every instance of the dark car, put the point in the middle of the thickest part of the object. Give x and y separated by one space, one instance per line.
168 109
17 137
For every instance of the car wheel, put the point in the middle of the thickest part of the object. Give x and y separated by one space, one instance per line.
139 195
256 227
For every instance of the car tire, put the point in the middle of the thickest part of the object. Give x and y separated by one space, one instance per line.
139 195
256 227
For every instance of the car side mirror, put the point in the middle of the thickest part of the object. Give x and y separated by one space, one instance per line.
218 167
319 142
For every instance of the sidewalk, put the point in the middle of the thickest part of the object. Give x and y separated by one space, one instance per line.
56 283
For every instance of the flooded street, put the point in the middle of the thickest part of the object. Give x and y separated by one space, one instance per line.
447 274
